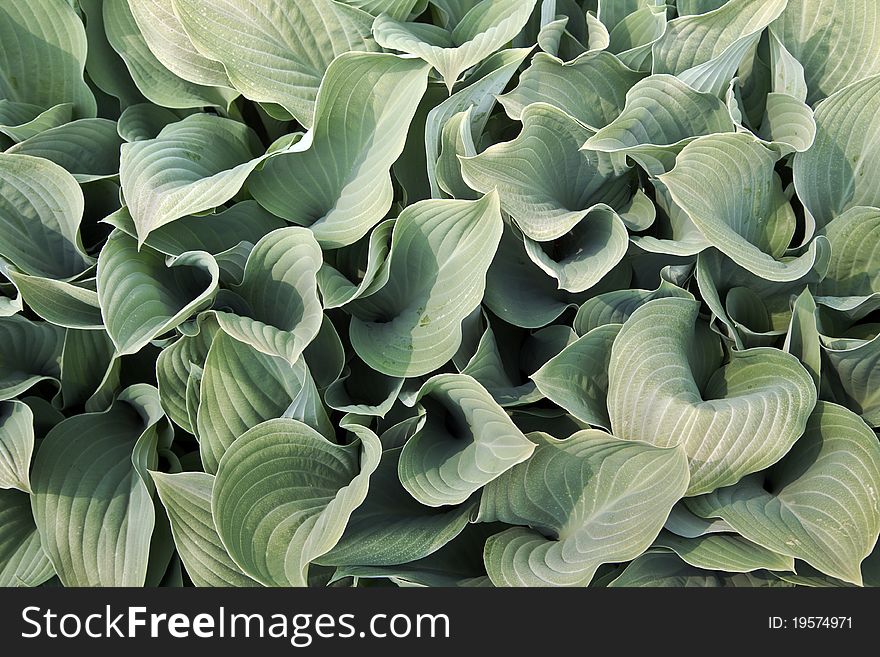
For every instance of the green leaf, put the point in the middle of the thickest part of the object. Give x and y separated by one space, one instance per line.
391 527
194 165
20 121
93 510
739 205
152 79
285 49
577 378
467 440
41 207
746 417
706 50
362 390
657 569
30 352
819 504
187 499
482 30
661 116
141 297
87 148
284 495
336 180
834 175
591 88
588 500
725 552
281 314
241 388
579 259
16 445
164 32
22 559
617 306
89 370
836 41
478 98
176 366
440 251
43 55
356 270
71 305
213 233
545 183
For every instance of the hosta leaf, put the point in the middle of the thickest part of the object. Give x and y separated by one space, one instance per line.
240 388
337 182
164 33
617 306
284 495
588 500
748 415
89 370
16 445
662 114
145 121
819 504
478 98
577 378
174 368
633 38
656 569
213 233
835 41
43 55
92 508
834 175
104 66
356 270
284 49
391 527
482 30
63 304
22 559
467 440
30 352
705 50
738 203
545 183
41 206
755 311
194 165
459 561
281 312
153 80
142 297
187 499
501 361
440 251
725 552
854 267
87 148
579 259
362 390
592 88
20 121
682 522
851 368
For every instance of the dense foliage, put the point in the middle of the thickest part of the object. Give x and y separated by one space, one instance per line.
439 292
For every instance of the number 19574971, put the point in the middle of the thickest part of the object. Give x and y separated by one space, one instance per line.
810 623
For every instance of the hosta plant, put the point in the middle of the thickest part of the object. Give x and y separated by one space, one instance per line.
439 292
